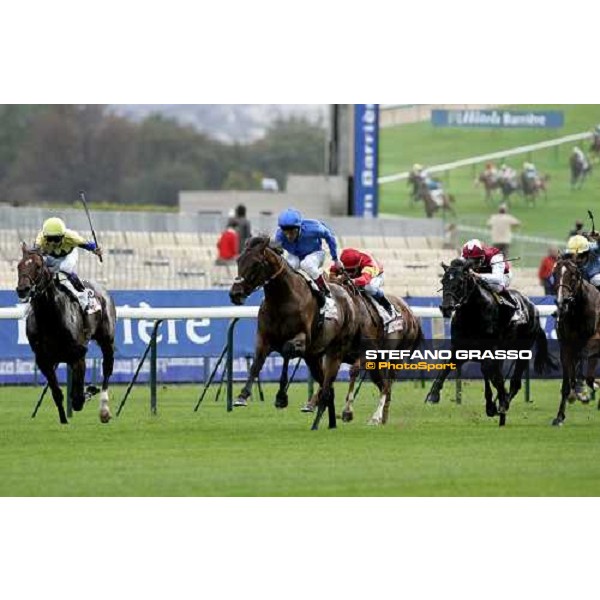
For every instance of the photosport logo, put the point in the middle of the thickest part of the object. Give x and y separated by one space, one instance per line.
437 356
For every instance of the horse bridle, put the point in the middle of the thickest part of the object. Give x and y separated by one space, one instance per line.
466 294
573 291
263 264
36 288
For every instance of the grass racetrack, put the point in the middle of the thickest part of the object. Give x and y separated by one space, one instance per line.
444 450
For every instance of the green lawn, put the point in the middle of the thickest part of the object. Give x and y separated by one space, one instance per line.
446 450
402 146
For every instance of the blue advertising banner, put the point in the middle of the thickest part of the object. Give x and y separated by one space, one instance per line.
498 118
187 349
366 160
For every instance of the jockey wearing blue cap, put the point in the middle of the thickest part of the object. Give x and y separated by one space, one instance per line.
303 240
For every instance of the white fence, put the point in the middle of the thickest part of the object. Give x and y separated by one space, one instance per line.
227 312
493 156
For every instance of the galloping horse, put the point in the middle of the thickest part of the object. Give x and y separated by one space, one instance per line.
579 171
413 181
577 327
434 202
408 337
55 330
490 183
532 187
480 323
288 323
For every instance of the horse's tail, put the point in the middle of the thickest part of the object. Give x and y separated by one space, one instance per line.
544 362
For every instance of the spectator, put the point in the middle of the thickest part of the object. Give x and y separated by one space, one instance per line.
578 229
501 226
228 244
243 226
546 269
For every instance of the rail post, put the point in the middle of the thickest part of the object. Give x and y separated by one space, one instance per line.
153 361
229 363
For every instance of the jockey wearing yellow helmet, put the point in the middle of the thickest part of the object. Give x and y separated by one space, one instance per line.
586 255
59 246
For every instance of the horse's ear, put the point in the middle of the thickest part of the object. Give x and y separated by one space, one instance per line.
275 246
24 247
444 266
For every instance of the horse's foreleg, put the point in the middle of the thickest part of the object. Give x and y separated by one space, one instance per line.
378 378
260 355
77 383
387 391
348 412
108 361
434 393
493 370
327 396
490 406
49 372
516 379
568 370
281 400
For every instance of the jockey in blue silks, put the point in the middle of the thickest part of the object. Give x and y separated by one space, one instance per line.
303 241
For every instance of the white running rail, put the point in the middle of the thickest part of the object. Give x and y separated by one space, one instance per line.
494 156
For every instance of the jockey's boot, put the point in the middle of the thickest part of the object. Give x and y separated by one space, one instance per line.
382 300
324 289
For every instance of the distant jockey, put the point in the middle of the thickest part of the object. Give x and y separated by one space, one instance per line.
59 246
303 241
491 172
433 185
490 265
367 274
530 172
581 158
587 257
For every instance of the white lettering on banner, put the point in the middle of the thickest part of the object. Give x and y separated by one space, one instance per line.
145 328
127 330
171 333
191 333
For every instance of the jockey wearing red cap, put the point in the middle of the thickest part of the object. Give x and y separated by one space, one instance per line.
489 264
366 273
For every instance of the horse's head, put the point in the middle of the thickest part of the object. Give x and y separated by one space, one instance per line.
568 280
457 285
32 273
260 262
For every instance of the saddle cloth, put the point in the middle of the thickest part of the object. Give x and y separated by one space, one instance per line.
329 310
390 324
93 302
438 197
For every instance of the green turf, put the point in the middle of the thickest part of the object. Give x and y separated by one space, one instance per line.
446 450
405 145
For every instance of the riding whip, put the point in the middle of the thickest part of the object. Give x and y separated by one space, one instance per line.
591 215
87 212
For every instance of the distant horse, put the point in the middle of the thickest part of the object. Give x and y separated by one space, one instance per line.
288 323
434 201
406 337
532 187
509 186
491 184
595 147
579 171
413 182
479 322
55 330
578 329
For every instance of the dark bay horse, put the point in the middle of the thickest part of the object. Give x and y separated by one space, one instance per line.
288 323
578 329
55 330
408 337
434 202
490 183
480 323
533 187
579 171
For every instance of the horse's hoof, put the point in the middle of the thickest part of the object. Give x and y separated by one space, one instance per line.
347 417
105 416
241 402
281 401
491 411
432 399
307 409
502 420
557 423
375 422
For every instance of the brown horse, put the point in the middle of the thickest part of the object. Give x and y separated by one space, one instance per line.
55 330
490 183
288 322
434 202
578 329
534 187
406 337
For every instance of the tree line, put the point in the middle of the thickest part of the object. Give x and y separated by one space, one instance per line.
49 152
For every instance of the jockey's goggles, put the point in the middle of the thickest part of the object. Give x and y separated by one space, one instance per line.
290 228
54 239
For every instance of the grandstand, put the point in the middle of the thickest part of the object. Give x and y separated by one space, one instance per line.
163 260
